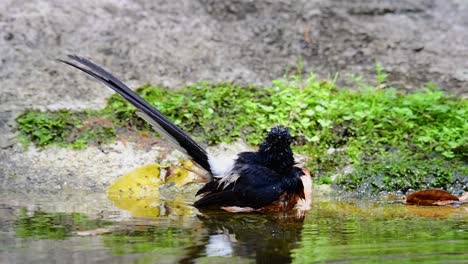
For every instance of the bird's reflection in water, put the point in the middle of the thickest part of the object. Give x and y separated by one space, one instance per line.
267 238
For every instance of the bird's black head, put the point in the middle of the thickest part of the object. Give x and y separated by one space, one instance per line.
276 149
278 136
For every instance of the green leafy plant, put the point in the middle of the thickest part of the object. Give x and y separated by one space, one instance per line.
44 128
381 75
64 128
406 172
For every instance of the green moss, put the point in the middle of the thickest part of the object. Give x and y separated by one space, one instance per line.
44 128
334 127
212 112
65 128
407 172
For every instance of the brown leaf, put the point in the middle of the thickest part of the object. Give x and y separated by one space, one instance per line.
431 197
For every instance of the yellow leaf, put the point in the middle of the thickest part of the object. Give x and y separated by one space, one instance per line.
137 191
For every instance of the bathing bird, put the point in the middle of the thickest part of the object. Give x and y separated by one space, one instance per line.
264 180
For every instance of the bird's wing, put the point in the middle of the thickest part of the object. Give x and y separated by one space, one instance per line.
255 186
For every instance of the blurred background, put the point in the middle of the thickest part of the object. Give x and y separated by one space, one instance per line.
179 42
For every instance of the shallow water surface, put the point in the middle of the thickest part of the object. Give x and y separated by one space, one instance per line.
79 227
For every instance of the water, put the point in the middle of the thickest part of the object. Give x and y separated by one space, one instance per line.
74 227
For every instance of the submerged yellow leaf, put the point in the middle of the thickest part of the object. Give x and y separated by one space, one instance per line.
137 191
141 182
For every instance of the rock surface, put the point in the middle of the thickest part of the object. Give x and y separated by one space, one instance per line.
179 42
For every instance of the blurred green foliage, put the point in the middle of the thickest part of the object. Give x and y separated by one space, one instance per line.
356 233
45 225
149 239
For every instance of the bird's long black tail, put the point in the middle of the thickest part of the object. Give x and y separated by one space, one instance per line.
150 114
